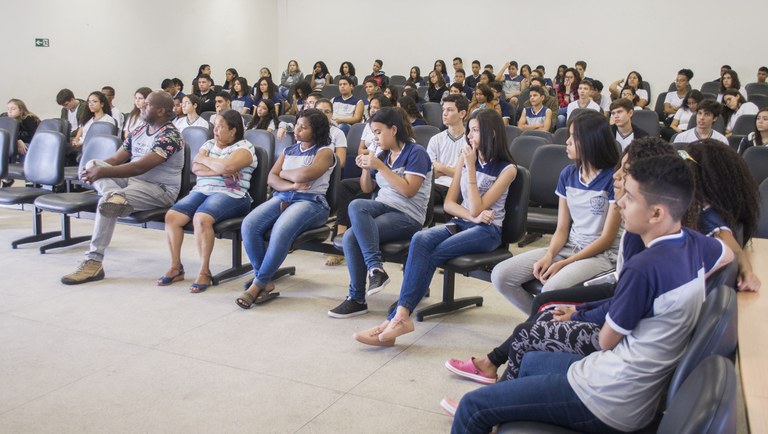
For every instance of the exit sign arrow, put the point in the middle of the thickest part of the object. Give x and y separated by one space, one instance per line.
42 42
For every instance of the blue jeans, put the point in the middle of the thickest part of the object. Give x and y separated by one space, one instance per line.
541 394
284 91
306 211
433 247
562 117
217 205
345 128
373 223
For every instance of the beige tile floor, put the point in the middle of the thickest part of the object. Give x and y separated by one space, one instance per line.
123 355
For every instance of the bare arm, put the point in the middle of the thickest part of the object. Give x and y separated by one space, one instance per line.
127 170
224 166
609 338
747 280
322 162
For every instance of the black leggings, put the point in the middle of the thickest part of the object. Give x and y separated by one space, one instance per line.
349 190
576 294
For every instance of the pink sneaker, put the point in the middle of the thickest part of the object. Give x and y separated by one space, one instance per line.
449 406
467 369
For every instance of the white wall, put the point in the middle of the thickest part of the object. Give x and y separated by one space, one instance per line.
613 37
127 44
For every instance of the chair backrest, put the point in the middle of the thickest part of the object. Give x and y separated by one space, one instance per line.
247 118
207 115
757 161
547 163
711 87
524 147
673 87
5 152
280 145
423 133
359 91
422 91
12 126
265 140
659 107
735 140
398 80
54 124
759 100
195 138
513 132
258 189
561 136
98 148
647 120
706 402
718 126
525 95
516 207
433 114
354 136
762 223
44 162
333 187
757 89
291 119
546 135
330 91
715 333
102 129
745 124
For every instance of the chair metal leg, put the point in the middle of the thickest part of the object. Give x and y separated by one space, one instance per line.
66 237
449 303
37 231
529 238
237 269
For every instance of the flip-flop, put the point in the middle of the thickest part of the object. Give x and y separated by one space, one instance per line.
264 296
246 300
196 288
165 280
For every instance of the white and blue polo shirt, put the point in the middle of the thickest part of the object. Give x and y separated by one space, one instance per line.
587 203
486 175
413 159
294 158
344 108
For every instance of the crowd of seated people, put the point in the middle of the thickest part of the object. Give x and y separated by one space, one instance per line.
685 213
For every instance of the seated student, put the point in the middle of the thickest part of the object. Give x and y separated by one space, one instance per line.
300 179
204 69
735 106
762 74
459 76
223 167
320 76
536 117
177 100
549 102
117 115
242 101
145 173
412 110
472 80
489 68
290 78
683 115
347 108
486 78
483 99
630 93
586 239
567 91
300 92
169 86
458 63
544 331
371 88
265 118
485 171
560 75
584 101
437 88
624 131
542 72
445 147
635 81
758 137
378 75
730 80
442 70
506 108
414 77
348 69
229 77
674 100
134 120
265 89
286 127
189 105
265 72
402 172
28 122
223 103
414 95
526 73
391 92
179 87
581 67
349 189
512 81
98 111
71 109
646 330
456 89
338 138
604 101
206 94
706 115
723 69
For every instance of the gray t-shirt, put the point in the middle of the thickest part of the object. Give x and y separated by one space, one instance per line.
165 142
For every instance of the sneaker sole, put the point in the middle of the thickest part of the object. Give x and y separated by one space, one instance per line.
448 408
473 377
113 210
378 289
346 315
98 276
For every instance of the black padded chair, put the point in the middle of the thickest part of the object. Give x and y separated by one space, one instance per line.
281 145
659 106
359 91
423 133
67 204
734 140
705 404
101 129
513 132
397 80
247 118
207 115
758 99
718 126
330 91
479 264
266 141
524 147
711 87
757 89
561 136
353 145
291 119
230 228
54 124
195 138
546 135
647 120
757 161
745 124
5 150
43 165
762 223
433 114
15 170
546 165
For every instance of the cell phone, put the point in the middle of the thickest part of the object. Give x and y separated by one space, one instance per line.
453 228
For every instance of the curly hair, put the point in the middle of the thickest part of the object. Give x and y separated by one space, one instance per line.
723 181
321 128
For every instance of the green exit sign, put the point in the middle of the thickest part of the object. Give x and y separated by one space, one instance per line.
42 42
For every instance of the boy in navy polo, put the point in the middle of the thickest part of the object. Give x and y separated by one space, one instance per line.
647 327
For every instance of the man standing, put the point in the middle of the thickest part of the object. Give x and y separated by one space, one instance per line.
145 173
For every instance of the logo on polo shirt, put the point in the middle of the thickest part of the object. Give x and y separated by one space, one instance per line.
598 204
